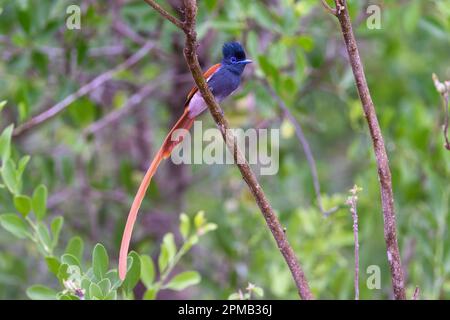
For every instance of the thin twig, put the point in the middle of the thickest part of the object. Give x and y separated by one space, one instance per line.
352 201
230 140
384 173
328 8
305 145
416 294
87 88
166 14
444 89
117 115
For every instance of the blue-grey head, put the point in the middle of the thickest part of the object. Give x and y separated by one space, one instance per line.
234 57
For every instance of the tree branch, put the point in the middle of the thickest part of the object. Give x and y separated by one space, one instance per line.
87 88
117 115
230 140
384 173
305 145
166 14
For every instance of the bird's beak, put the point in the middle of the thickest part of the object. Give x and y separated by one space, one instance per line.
247 61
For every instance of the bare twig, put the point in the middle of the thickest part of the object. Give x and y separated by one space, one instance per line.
230 140
416 294
352 201
115 116
165 14
89 87
305 145
384 173
444 89
328 8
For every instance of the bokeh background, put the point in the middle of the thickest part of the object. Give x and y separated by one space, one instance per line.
92 166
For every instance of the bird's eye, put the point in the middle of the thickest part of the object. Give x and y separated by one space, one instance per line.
233 59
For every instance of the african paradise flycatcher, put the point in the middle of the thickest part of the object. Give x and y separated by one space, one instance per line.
223 79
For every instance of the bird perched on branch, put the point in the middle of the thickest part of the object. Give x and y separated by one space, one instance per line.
223 79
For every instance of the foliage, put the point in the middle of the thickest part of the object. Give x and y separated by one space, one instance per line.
99 281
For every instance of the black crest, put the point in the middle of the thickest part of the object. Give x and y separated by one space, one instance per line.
233 49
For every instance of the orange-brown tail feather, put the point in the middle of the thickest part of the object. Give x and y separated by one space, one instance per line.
164 152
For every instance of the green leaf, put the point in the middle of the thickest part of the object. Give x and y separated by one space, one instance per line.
40 292
21 168
234 296
169 243
85 284
5 141
63 273
207 228
95 292
39 202
183 280
8 172
2 105
111 295
53 264
193 240
113 276
105 286
75 247
68 297
134 272
24 18
185 225
22 204
258 291
163 259
147 271
100 261
150 294
199 219
267 67
44 236
12 223
70 260
55 228
306 42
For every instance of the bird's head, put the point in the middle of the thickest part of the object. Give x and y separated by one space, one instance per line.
234 56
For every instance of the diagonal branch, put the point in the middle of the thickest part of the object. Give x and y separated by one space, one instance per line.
84 90
166 14
384 173
117 115
230 140
306 148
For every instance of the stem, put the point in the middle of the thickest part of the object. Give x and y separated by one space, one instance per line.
230 140
84 90
286 114
384 173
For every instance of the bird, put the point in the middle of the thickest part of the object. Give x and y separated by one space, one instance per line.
223 79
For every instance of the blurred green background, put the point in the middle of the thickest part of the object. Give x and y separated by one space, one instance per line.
92 175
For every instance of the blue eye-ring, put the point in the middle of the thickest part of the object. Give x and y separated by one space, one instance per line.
233 59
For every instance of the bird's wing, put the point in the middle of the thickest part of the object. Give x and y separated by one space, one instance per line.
207 75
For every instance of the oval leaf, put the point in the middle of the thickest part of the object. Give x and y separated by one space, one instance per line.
147 271
183 280
134 272
22 204
12 223
40 292
100 261
75 247
39 202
